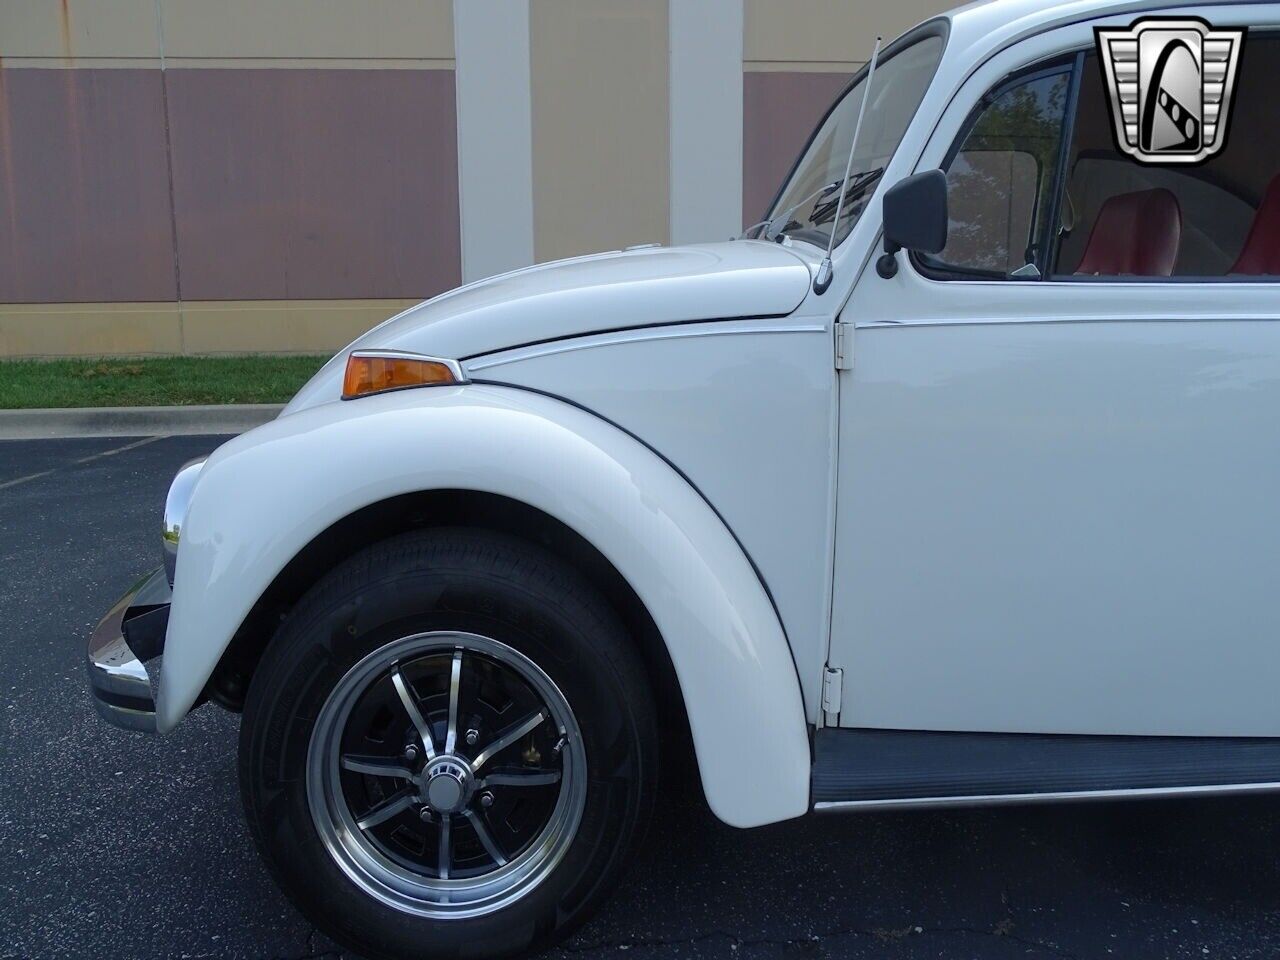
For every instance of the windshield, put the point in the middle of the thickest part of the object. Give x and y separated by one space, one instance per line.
806 208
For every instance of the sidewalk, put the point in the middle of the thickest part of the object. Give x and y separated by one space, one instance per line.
192 420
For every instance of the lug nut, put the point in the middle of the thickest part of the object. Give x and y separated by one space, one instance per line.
486 799
425 813
472 736
410 752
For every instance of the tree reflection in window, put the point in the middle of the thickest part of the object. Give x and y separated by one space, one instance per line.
1000 182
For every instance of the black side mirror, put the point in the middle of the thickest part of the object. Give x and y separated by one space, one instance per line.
915 218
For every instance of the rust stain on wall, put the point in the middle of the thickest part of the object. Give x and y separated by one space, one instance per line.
65 12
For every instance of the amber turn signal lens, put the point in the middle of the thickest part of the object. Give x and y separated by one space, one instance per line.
368 373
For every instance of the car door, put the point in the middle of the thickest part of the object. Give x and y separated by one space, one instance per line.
1059 468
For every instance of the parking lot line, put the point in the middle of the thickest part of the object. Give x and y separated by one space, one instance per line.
93 456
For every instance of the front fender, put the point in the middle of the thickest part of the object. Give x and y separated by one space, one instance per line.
264 495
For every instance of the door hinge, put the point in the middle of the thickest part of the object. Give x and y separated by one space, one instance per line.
844 346
832 694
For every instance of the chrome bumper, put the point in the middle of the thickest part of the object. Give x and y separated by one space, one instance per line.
129 635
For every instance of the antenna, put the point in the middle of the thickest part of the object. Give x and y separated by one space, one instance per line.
823 278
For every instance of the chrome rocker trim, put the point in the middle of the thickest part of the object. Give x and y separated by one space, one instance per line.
1069 796
129 635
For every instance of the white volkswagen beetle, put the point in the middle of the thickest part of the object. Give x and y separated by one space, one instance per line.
956 480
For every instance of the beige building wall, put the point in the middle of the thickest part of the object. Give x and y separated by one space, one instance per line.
600 127
84 29
335 30
824 35
180 176
190 327
108 32
187 176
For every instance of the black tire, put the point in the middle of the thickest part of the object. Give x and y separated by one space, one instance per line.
457 580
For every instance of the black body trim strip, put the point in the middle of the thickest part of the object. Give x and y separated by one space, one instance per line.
860 765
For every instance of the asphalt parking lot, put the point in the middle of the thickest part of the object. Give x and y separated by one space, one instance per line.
121 845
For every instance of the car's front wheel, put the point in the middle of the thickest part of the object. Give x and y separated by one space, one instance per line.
448 750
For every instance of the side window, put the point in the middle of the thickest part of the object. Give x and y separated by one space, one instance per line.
1023 204
1001 181
1216 220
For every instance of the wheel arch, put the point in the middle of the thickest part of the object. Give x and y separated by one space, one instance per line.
272 505
470 509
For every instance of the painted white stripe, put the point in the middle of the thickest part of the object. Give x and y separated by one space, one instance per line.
495 139
706 120
89 459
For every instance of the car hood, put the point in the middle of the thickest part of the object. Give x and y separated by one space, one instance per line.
649 286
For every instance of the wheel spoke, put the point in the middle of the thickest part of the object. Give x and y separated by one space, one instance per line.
446 845
411 708
377 766
508 737
517 778
448 770
486 840
455 682
388 808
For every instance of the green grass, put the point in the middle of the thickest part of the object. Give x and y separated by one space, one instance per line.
152 381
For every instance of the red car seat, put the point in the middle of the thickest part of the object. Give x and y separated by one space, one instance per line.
1136 234
1261 253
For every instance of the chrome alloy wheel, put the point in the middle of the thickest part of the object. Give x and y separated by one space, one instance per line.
446 774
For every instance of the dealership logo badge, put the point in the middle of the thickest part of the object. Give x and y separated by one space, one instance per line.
1171 82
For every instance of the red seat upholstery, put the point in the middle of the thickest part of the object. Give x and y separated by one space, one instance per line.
1137 234
1261 253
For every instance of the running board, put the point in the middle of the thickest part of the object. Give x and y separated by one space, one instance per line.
867 769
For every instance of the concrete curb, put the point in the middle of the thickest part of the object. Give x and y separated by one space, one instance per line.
40 424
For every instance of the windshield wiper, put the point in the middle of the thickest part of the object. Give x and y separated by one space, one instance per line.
859 185
824 207
773 230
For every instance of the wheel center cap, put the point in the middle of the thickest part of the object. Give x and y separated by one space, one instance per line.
446 784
